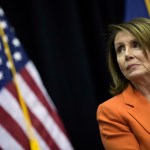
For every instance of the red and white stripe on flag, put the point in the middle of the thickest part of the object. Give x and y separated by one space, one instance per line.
47 125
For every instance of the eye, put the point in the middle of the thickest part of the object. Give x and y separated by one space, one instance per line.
136 44
120 49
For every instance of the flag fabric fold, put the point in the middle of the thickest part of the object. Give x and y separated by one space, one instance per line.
46 123
136 8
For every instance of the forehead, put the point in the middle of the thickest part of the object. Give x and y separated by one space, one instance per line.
123 36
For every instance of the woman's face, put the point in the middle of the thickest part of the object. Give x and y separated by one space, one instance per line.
131 58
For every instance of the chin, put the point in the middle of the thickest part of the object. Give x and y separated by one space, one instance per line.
135 76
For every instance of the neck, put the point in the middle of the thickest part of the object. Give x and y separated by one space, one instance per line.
143 86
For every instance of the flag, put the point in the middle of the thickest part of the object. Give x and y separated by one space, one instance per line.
136 8
45 122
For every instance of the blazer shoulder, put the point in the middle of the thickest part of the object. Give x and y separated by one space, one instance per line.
112 104
114 101
112 109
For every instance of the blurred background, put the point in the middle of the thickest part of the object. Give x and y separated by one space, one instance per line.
66 40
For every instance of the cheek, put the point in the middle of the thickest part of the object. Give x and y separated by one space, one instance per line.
120 63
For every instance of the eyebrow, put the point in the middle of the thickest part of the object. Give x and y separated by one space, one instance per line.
120 43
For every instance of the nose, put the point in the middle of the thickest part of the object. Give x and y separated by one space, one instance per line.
128 54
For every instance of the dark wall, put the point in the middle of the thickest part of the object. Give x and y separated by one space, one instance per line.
66 41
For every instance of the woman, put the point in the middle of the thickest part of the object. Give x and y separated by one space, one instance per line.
124 120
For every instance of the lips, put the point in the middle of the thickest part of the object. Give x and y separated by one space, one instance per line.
131 66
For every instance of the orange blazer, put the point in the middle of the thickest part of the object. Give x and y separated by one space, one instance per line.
124 121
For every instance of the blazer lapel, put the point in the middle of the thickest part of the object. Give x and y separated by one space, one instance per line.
139 107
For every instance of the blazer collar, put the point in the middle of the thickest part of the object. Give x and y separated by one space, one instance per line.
139 106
